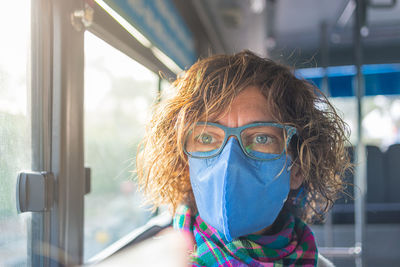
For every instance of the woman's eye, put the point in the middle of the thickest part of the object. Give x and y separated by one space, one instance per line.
205 139
262 139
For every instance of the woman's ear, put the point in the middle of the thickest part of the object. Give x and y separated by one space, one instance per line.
296 177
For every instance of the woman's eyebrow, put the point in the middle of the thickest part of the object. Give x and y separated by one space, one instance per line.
262 122
251 122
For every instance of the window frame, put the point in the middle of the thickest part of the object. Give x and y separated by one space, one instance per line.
41 93
109 30
56 236
57 105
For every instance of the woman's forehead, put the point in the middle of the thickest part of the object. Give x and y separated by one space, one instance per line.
249 106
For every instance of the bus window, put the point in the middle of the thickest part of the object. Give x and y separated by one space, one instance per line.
380 122
119 93
15 128
346 106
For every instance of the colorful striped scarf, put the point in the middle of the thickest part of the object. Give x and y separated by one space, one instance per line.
293 245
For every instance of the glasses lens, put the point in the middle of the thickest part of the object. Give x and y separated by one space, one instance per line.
204 140
263 139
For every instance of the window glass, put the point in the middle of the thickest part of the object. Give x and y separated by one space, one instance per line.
119 94
166 88
380 122
15 128
347 110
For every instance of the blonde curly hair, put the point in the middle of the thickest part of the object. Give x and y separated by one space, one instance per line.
206 91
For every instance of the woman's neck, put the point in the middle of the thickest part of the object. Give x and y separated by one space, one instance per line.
274 228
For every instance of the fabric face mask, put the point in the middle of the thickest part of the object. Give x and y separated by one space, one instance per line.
238 195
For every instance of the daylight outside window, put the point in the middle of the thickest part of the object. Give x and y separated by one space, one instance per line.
380 122
119 93
15 128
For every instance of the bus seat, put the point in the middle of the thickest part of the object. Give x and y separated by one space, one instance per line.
376 180
392 157
383 185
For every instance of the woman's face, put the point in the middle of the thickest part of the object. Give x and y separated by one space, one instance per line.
251 106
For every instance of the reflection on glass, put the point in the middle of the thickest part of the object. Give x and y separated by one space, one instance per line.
380 122
167 90
15 128
347 110
119 93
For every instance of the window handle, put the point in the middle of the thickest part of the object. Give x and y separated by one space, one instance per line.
88 181
34 191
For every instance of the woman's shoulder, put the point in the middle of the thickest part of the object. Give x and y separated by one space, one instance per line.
324 262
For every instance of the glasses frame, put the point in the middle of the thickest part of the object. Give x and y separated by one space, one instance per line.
237 131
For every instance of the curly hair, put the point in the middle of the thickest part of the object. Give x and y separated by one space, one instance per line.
206 91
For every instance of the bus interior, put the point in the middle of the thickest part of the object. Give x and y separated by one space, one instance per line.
78 80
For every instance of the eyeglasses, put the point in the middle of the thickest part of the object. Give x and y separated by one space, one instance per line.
207 139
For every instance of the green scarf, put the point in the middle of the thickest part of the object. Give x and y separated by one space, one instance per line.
293 245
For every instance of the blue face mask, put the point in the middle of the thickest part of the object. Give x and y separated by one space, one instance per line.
238 195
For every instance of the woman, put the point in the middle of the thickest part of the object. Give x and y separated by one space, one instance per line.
245 153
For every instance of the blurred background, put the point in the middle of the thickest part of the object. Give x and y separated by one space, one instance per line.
78 80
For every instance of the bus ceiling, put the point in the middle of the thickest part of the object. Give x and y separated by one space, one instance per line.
295 32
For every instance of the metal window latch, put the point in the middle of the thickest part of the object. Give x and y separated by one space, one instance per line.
82 18
88 184
35 191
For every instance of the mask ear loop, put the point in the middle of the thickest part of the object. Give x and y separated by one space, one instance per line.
291 165
295 200
290 133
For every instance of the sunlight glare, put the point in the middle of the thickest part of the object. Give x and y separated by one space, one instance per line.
14 52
